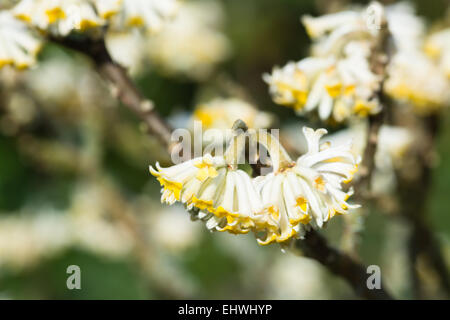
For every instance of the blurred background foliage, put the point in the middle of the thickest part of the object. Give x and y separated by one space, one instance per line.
78 159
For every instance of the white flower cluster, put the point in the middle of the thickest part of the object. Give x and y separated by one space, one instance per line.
392 148
413 77
190 45
336 80
437 46
19 46
20 43
297 195
221 113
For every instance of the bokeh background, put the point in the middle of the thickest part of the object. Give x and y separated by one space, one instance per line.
75 187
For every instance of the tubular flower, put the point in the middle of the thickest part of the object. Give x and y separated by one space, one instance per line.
337 88
60 17
147 14
308 192
226 197
19 46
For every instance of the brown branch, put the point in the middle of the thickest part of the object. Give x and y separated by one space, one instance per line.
413 194
316 247
124 88
379 60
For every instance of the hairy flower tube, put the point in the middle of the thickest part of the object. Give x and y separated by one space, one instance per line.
277 207
19 46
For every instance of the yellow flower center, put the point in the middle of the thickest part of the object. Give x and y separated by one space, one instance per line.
55 14
334 90
302 203
273 211
205 171
135 21
363 109
319 183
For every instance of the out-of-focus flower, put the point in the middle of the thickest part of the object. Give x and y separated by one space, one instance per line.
59 17
150 15
414 78
26 239
128 49
220 114
332 32
337 79
93 227
63 85
437 46
309 191
19 46
107 8
278 206
394 143
8 4
170 228
284 282
339 88
406 28
192 44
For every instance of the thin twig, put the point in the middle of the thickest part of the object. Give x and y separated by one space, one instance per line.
124 88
